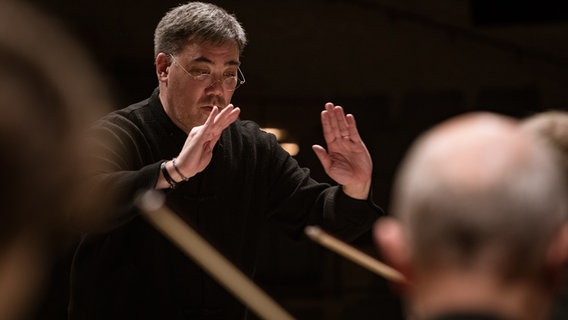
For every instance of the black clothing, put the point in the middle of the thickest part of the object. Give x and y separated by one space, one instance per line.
468 316
133 272
560 307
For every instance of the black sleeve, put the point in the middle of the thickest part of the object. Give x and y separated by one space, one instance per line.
121 168
296 200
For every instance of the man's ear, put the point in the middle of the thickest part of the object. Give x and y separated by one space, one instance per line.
391 242
163 63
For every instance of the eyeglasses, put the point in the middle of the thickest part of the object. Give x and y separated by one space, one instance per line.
229 82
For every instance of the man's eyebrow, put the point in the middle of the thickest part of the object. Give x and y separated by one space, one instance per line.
206 60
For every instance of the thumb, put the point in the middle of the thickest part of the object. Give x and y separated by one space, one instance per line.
322 156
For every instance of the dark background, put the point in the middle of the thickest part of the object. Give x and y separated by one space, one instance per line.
398 66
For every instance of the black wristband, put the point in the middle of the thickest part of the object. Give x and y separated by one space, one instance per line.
166 174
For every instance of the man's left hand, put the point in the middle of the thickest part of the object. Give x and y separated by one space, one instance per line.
346 160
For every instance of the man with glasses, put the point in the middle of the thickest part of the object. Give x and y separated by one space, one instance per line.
222 175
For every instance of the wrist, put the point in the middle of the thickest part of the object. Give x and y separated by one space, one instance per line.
167 176
360 191
178 171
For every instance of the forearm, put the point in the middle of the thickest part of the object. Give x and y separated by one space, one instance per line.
113 194
347 217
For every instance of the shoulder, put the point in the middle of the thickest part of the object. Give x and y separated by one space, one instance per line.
126 124
134 113
131 120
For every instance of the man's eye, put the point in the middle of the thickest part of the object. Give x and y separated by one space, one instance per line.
199 72
230 74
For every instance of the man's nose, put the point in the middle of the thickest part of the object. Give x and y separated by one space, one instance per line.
216 85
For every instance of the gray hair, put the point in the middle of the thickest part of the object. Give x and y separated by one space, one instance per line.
551 126
197 21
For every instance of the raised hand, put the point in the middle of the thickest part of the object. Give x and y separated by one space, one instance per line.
346 160
198 148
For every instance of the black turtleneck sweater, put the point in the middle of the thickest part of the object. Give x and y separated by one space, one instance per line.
131 271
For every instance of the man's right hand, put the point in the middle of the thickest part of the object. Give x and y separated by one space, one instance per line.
198 148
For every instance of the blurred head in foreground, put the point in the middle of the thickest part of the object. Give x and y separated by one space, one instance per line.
552 127
49 92
478 228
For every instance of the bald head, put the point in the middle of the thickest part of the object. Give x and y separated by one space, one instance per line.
478 186
471 152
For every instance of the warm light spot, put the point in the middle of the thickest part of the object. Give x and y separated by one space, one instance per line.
279 133
292 148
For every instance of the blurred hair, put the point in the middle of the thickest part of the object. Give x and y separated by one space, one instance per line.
552 126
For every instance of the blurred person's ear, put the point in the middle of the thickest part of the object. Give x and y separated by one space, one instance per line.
389 239
557 257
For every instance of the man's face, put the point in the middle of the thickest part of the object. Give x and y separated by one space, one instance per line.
187 99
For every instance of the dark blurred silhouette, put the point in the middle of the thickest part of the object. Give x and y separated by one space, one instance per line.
49 92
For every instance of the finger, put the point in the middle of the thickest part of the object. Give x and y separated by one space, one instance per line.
211 117
337 121
231 117
227 116
352 128
226 121
328 133
332 119
205 129
223 114
343 128
322 156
